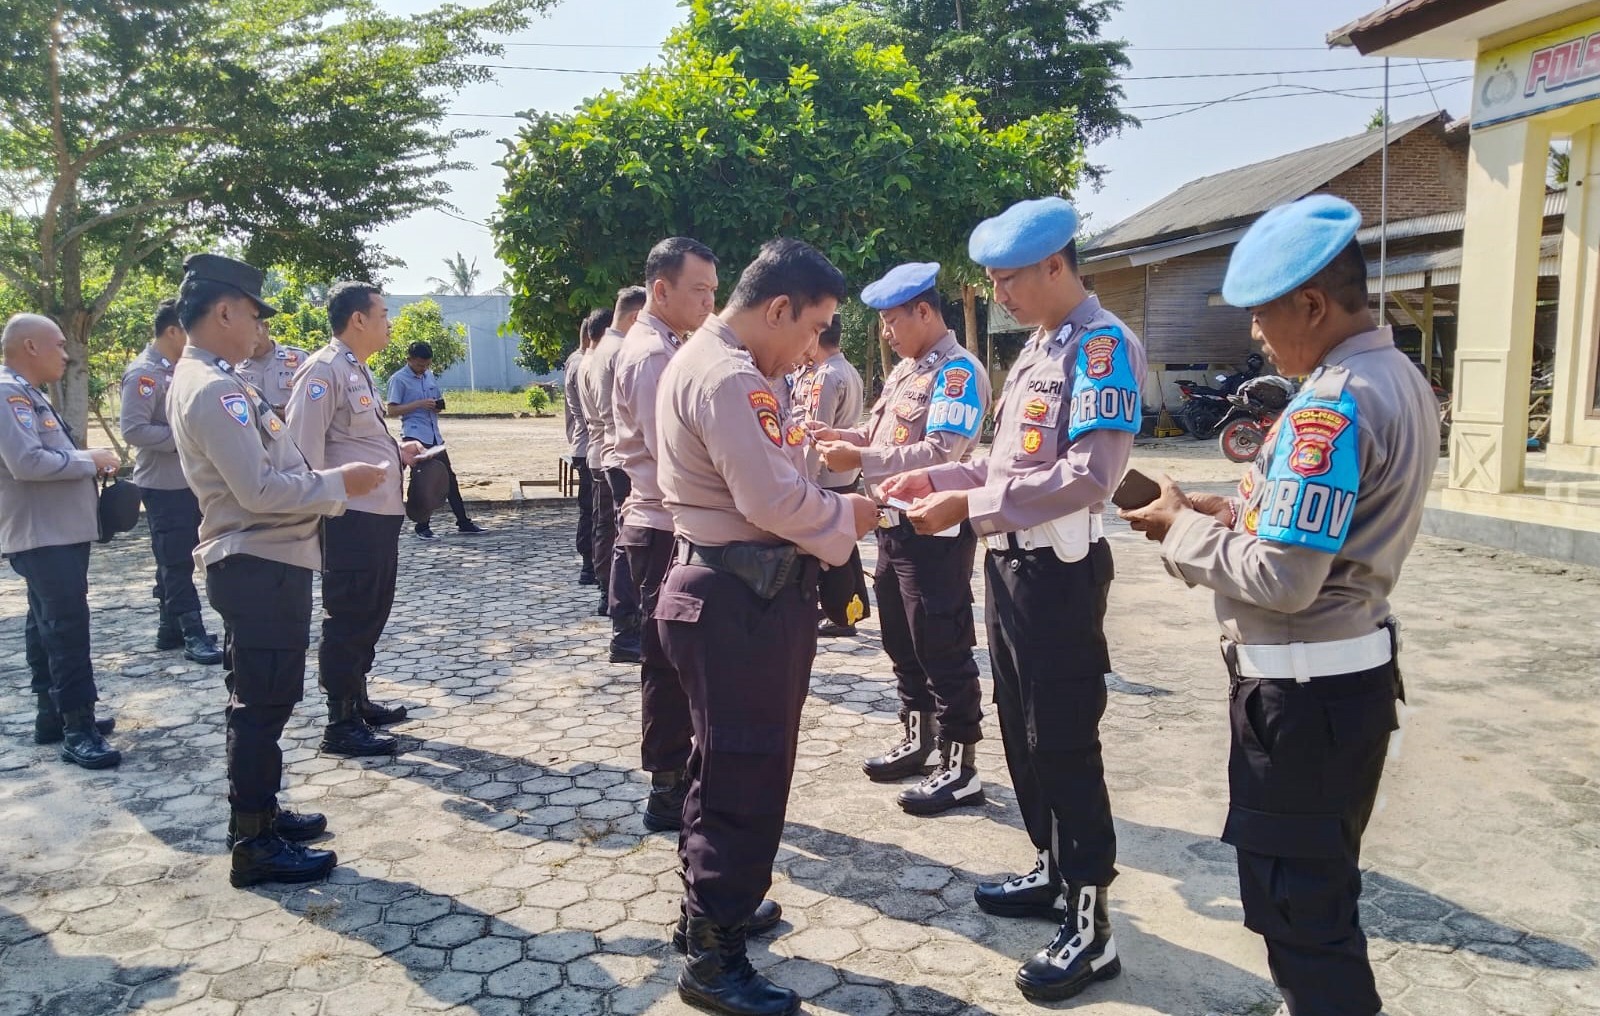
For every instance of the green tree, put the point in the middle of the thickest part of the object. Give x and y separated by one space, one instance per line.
1376 121
766 118
1560 166
135 128
461 280
422 321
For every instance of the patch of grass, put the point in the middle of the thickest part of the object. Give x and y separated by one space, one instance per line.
464 401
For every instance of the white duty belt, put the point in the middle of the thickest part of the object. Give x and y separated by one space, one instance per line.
1069 536
1302 661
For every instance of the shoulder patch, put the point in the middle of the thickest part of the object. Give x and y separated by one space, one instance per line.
147 386
22 409
1311 475
316 389
1105 393
957 405
237 407
765 405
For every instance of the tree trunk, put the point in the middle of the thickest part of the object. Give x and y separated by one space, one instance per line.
969 310
72 391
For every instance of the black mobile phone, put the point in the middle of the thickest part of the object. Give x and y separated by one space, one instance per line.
438 405
1135 491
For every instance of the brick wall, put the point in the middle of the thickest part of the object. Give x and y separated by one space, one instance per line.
1426 176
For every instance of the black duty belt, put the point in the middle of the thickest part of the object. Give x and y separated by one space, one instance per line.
765 567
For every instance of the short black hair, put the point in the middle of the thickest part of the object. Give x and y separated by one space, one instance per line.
833 334
630 300
346 300
667 257
197 296
419 351
166 316
929 296
597 322
792 268
1345 279
1070 252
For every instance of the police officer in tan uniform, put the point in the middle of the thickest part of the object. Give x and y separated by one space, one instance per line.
170 506
931 412
1064 428
736 611
680 280
336 417
47 518
599 373
577 430
271 367
829 391
1302 563
262 508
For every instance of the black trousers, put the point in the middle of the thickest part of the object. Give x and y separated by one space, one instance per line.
857 570
585 534
667 726
924 587
622 594
174 519
1047 645
56 633
746 665
453 495
1303 772
266 617
605 533
361 560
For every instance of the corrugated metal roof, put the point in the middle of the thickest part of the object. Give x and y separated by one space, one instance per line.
1214 202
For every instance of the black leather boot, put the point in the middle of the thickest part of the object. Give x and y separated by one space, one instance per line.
663 809
169 634
291 826
1082 952
625 643
954 783
262 855
198 646
768 914
349 735
47 728
909 757
379 716
1036 894
82 743
586 573
717 975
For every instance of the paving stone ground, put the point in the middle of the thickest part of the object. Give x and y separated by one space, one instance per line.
498 866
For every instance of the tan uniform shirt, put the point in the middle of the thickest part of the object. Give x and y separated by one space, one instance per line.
144 422
832 394
640 362
572 406
47 495
724 472
931 412
257 495
1329 509
588 398
1064 426
336 417
273 373
599 379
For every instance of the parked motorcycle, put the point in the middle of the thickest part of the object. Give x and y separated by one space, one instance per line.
1204 408
1254 409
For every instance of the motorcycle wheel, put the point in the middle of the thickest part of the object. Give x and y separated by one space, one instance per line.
1203 422
1241 440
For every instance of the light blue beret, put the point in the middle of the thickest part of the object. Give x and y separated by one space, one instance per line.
1287 247
901 284
1024 234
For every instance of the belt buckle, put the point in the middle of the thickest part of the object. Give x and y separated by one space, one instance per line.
889 518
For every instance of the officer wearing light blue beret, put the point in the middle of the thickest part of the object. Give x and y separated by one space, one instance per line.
1302 563
1064 428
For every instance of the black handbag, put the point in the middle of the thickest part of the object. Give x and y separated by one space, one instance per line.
118 509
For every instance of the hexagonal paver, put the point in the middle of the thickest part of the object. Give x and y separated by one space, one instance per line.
524 979
486 955
449 932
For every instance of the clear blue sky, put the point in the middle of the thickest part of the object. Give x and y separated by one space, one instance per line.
1169 37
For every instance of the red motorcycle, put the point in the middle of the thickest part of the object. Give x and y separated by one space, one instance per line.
1256 407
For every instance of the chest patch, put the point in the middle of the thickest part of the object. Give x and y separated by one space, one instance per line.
1032 439
796 435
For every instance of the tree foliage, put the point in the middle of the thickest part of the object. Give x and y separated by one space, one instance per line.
422 321
135 128
461 277
765 118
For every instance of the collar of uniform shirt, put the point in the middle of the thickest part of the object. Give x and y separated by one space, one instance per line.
659 326
1363 342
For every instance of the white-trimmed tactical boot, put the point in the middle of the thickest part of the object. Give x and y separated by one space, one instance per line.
909 757
954 783
1036 894
1082 952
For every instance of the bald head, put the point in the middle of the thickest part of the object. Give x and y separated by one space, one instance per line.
34 347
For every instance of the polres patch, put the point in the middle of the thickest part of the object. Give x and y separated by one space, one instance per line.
147 386
1307 495
238 407
957 406
765 405
1105 392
